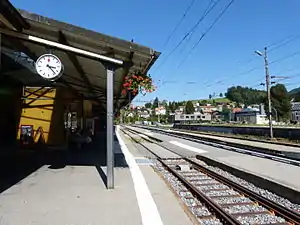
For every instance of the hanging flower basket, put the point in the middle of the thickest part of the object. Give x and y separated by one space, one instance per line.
138 84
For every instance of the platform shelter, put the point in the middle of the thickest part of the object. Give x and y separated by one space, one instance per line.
87 94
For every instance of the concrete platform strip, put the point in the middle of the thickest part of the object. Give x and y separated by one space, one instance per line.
149 212
190 148
142 161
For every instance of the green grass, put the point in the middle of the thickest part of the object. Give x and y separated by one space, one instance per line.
217 100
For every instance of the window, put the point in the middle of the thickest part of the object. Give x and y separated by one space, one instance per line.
187 117
203 117
192 117
198 117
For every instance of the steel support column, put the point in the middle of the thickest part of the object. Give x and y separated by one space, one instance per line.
0 53
109 128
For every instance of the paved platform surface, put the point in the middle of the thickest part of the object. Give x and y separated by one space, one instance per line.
246 142
73 191
71 195
169 206
160 151
278 172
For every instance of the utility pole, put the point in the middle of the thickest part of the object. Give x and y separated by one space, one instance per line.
268 85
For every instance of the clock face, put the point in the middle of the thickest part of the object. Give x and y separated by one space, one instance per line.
49 66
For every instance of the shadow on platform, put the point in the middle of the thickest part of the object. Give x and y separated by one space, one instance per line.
20 164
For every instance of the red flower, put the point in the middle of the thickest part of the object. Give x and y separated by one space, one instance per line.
134 76
124 92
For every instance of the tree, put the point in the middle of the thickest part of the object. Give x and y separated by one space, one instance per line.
210 96
225 112
164 103
148 105
155 103
189 108
204 102
214 102
281 101
172 106
221 95
245 95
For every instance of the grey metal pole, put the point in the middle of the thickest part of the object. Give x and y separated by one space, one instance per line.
0 52
109 128
268 84
276 118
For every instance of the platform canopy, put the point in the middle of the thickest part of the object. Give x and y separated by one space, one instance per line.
84 54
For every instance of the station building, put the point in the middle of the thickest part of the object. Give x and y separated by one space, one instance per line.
87 94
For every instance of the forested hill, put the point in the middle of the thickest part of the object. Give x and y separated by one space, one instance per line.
246 95
295 93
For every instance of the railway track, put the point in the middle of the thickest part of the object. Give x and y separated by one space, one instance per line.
213 198
254 151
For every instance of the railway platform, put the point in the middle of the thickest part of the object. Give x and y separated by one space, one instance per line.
276 176
74 191
277 147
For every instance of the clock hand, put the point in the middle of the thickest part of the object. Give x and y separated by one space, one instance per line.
50 67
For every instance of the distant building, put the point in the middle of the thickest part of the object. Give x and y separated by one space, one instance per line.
160 111
196 117
144 114
232 114
295 111
252 115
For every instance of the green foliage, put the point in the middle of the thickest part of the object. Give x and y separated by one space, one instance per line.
217 100
214 103
210 96
225 112
221 95
155 103
295 93
281 101
189 108
245 95
148 105
172 106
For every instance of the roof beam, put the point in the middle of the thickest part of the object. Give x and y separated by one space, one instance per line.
11 18
62 39
19 46
63 47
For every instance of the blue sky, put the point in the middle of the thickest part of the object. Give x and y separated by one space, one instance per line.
223 58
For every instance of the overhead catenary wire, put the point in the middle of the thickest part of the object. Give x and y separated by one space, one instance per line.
273 47
285 57
257 68
207 31
212 4
206 11
277 45
179 23
188 34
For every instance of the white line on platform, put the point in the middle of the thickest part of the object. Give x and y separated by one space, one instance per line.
187 147
149 133
143 135
148 209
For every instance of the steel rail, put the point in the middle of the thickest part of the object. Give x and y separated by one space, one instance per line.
289 215
221 214
235 147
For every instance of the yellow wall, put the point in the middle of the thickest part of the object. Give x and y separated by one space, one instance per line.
49 113
38 112
87 108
